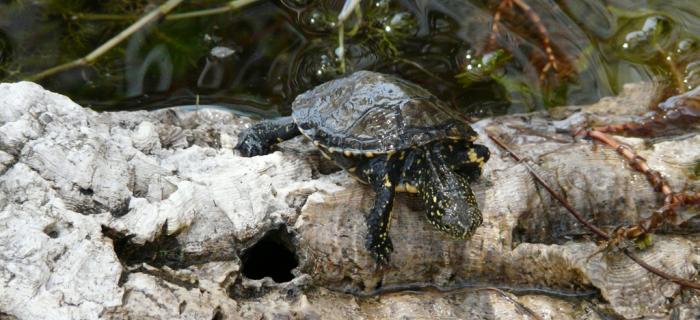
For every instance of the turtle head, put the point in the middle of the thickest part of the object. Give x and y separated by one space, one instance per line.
463 157
450 203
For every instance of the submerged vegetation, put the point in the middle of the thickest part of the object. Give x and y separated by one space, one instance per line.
484 57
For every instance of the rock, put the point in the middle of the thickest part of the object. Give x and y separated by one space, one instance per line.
153 215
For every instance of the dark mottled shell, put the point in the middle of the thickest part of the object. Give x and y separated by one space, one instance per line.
374 112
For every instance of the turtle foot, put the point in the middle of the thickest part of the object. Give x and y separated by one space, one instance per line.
380 248
250 144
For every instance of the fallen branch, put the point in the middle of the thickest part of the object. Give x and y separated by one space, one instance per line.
593 228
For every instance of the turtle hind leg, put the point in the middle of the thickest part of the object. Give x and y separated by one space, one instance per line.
383 177
258 139
378 222
450 203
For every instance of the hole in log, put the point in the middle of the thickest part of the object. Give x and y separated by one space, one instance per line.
272 256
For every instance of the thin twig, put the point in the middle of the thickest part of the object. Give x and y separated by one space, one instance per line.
419 67
539 25
514 301
551 191
676 74
231 6
596 230
637 162
678 111
495 24
672 200
154 15
544 34
683 282
341 45
349 7
101 16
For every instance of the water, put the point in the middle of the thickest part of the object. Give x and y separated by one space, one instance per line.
256 60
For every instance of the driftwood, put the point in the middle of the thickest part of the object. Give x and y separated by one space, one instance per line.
148 214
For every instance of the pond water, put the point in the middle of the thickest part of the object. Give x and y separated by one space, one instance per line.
541 53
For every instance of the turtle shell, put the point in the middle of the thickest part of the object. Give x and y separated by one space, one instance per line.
374 112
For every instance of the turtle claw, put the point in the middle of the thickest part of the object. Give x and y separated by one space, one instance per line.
380 248
251 145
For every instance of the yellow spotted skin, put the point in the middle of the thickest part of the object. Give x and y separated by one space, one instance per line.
440 173
405 140
406 187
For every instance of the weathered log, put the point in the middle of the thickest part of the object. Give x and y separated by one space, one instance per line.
148 214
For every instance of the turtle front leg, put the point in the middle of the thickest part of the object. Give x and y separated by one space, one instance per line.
258 139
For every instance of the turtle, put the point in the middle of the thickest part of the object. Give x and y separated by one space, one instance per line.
394 136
